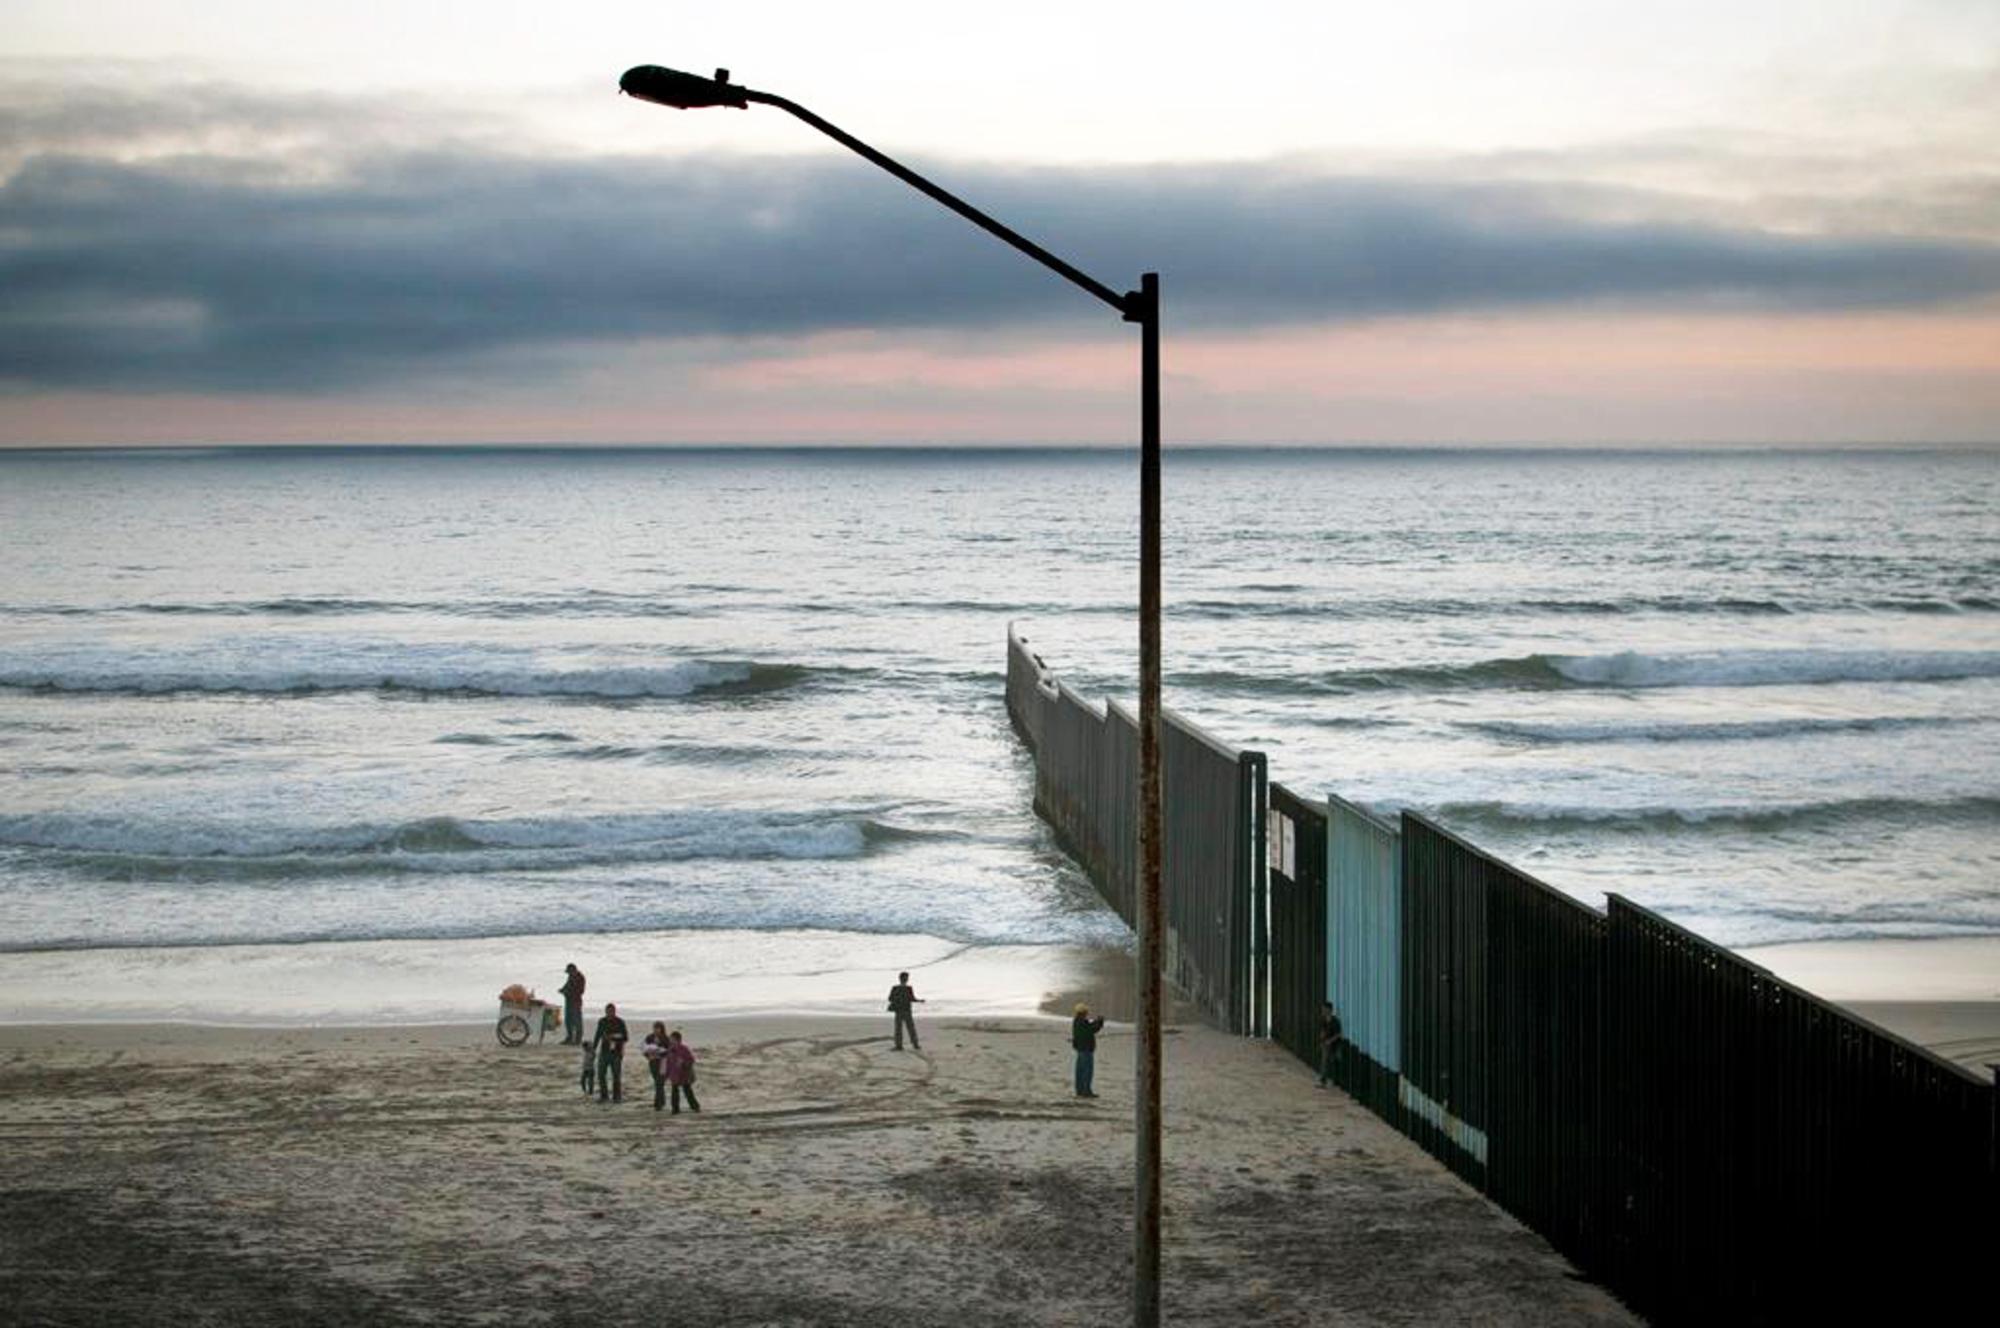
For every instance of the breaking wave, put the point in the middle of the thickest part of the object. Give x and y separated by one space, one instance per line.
1635 669
1727 819
1400 609
1611 731
122 846
297 671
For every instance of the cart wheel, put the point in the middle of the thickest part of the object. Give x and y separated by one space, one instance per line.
512 1030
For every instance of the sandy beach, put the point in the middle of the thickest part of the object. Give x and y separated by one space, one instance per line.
276 1163
166 1174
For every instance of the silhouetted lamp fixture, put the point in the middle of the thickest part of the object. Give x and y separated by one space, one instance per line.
686 92
683 92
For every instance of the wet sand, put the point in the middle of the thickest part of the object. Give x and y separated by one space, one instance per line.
456 980
1943 995
177 1174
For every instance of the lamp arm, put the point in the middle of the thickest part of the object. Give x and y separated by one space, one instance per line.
1129 304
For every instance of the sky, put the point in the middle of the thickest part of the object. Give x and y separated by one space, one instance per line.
1562 222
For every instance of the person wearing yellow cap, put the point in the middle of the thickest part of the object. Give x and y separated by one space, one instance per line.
1083 1036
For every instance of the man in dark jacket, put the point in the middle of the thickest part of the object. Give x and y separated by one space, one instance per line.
572 994
1083 1036
1329 1043
610 1039
902 1000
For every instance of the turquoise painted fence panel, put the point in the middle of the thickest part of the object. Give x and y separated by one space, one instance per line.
1364 919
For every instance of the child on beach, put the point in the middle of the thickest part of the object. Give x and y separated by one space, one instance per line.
589 1077
680 1071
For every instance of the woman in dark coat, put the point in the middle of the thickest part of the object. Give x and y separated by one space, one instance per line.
655 1049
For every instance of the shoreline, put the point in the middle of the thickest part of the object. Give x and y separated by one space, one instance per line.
1942 968
417 982
1942 994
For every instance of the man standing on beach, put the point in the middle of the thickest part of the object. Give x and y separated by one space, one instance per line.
610 1040
902 997
1083 1032
572 994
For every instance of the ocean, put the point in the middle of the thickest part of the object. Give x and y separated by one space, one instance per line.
343 695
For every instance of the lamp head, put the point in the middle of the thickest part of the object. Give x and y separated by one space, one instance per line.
685 92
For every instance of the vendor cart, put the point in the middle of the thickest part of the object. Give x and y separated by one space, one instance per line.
521 1016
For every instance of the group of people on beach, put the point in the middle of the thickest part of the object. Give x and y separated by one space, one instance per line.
669 1059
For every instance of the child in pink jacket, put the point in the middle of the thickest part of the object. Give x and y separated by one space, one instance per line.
679 1061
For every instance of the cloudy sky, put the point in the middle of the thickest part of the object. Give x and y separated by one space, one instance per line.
1508 221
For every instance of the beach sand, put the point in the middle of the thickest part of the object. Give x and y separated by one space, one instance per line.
279 1162
177 1174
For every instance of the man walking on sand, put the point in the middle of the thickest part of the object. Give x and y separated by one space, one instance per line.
901 998
1083 1032
610 1039
572 994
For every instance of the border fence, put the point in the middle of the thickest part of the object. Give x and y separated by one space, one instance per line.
1212 880
1297 849
1710 1142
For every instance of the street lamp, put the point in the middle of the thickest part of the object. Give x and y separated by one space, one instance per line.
671 87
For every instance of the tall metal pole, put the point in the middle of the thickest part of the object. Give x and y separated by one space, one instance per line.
670 87
1146 1235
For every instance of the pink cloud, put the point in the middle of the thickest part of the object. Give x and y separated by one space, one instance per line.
1567 378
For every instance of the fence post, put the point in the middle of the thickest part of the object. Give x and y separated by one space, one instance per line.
1993 1138
1256 864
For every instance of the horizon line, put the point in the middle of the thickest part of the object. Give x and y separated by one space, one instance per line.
185 449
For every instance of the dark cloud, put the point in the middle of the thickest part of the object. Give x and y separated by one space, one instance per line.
213 273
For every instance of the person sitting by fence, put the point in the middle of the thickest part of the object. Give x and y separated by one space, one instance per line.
1329 1043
